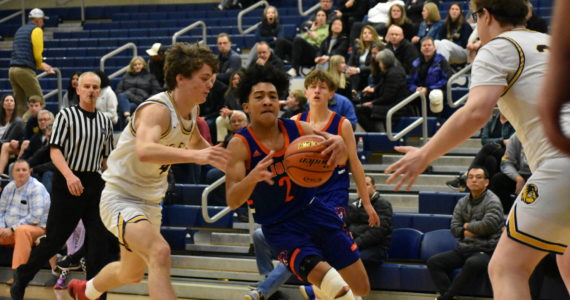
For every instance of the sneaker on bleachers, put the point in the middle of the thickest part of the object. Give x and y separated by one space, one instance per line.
457 184
66 264
292 72
254 295
307 292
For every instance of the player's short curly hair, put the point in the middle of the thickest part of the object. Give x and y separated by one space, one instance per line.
185 59
506 12
258 73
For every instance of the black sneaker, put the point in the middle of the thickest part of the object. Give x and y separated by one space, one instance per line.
457 184
67 264
17 289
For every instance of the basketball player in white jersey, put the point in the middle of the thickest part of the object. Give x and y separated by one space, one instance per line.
508 70
555 88
162 132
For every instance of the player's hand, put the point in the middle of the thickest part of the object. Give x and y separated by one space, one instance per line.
261 170
335 146
216 156
409 167
74 185
373 218
519 184
468 233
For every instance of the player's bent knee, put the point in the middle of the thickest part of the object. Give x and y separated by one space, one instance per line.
133 278
334 287
160 253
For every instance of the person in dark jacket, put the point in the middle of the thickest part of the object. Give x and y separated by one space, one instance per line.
264 56
352 11
136 85
361 57
71 98
229 61
397 16
534 21
335 44
390 89
268 31
477 224
373 242
156 61
295 104
429 71
454 35
403 49
11 127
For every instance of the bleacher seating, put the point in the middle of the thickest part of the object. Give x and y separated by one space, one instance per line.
438 203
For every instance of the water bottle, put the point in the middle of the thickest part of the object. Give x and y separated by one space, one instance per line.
360 148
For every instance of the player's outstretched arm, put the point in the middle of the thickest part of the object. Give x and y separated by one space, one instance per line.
152 120
554 89
239 186
459 127
358 172
334 145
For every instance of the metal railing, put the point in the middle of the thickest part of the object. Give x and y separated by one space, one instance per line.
308 11
450 102
57 91
246 11
113 53
420 121
21 12
190 27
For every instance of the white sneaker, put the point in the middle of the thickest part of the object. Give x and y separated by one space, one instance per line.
292 72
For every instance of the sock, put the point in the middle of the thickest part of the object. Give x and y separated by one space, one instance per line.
91 292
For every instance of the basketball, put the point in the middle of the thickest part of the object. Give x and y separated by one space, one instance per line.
304 162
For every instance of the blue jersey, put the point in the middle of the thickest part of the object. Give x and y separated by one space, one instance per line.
284 199
340 179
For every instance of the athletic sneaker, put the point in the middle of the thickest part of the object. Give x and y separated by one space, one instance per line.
60 283
76 289
66 264
457 184
307 292
254 295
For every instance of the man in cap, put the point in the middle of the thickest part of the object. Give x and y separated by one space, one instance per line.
27 56
156 61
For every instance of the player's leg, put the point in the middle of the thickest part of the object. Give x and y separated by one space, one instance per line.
326 280
357 278
564 267
510 268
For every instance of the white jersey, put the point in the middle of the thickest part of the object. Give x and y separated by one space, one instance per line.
518 59
145 180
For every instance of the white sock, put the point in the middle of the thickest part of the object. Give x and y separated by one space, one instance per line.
91 292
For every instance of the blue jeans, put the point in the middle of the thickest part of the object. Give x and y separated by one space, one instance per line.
125 105
264 258
46 180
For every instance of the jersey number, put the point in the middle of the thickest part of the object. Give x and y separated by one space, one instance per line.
542 48
286 181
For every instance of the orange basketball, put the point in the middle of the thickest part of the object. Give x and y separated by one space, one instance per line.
304 162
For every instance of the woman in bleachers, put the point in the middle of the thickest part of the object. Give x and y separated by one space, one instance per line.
268 31
361 57
430 71
107 101
230 104
454 35
304 47
136 85
71 98
390 89
336 69
397 16
431 25
335 44
11 127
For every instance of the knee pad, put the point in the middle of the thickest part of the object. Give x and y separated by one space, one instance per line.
307 265
332 283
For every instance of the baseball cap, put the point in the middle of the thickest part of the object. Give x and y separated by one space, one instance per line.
154 50
436 101
37 13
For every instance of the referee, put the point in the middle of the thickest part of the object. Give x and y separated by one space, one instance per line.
82 139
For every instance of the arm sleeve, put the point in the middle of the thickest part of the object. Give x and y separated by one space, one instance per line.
38 46
457 220
59 133
492 220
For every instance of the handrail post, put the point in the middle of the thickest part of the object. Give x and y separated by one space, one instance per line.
58 90
308 11
189 27
450 81
82 8
245 11
205 193
23 12
115 52
421 121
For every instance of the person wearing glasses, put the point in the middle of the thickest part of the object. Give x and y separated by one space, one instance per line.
509 70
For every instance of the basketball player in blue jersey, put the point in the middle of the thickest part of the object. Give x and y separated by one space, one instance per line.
319 91
306 234
509 70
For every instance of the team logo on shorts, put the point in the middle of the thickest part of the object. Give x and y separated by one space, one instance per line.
529 193
283 257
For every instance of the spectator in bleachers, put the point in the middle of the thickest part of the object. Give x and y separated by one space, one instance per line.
27 57
210 110
374 70
328 7
231 104
514 173
70 98
107 101
414 10
295 104
452 41
36 152
343 106
379 14
30 117
336 70
24 207
403 49
477 224
352 11
534 21
268 31
361 57
336 43
11 127
390 89
156 62
265 55
304 47
135 86
373 242
430 71
473 45
431 25
229 61
397 16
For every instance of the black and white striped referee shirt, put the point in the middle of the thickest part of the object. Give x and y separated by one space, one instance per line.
84 138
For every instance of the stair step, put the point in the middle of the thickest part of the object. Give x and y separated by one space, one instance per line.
213 274
423 179
217 248
435 168
214 263
447 160
230 239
